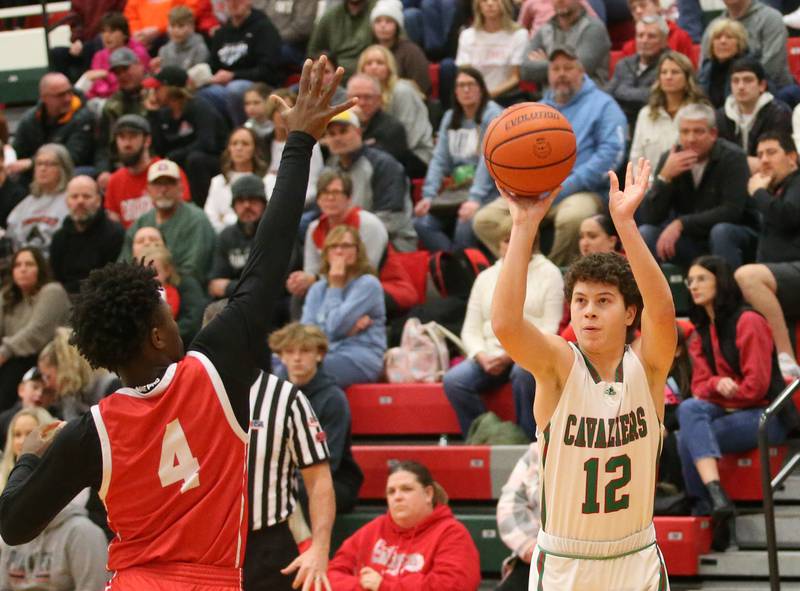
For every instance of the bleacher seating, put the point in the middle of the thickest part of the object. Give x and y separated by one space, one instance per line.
414 409
740 474
793 52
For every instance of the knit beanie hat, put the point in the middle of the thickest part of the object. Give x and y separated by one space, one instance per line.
248 186
391 8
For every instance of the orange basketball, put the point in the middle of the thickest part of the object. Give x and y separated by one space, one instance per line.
529 149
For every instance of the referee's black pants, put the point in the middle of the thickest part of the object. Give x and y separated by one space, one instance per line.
268 551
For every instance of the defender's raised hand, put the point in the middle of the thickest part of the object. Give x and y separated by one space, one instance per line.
623 204
312 110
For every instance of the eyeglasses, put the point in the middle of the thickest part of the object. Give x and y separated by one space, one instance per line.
689 281
342 246
333 193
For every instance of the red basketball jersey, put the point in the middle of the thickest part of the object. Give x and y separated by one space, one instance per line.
174 471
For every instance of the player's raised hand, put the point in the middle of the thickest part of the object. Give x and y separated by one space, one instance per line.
623 203
312 110
529 210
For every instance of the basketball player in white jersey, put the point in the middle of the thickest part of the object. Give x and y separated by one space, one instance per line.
598 405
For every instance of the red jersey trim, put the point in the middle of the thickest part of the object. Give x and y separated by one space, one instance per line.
105 447
222 395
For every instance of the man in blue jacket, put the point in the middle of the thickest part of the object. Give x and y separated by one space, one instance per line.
600 130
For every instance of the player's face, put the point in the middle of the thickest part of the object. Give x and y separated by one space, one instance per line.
301 363
22 427
409 502
593 239
599 316
774 161
702 285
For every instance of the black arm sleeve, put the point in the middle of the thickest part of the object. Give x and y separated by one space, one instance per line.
38 489
234 341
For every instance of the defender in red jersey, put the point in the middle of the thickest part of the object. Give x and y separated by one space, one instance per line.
167 453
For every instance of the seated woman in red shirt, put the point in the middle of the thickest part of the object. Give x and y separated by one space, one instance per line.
735 375
417 544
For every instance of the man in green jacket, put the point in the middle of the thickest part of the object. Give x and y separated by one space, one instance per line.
345 31
186 230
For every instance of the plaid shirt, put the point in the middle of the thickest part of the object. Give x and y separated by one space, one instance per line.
518 516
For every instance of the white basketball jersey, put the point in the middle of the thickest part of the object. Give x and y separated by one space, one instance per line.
599 454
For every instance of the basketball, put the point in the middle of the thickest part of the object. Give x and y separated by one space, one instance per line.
529 149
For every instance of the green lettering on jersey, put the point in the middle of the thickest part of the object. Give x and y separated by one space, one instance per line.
591 427
642 422
601 434
612 442
580 438
617 432
623 428
569 439
633 434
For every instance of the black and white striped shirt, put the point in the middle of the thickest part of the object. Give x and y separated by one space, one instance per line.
285 434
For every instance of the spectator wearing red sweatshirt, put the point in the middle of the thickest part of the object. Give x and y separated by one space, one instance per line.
677 38
417 545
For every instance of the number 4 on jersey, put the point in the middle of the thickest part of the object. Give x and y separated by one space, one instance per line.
177 462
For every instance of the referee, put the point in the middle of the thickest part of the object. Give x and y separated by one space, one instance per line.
285 436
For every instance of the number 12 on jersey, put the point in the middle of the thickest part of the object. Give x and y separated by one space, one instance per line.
177 462
612 503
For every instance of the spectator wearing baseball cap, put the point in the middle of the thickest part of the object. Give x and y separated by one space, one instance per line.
233 244
126 196
185 128
100 81
130 73
382 184
571 27
185 228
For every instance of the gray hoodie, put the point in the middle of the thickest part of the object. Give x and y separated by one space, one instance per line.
70 554
191 52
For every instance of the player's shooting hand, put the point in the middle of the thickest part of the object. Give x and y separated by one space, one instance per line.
312 110
312 568
622 204
529 210
370 579
40 439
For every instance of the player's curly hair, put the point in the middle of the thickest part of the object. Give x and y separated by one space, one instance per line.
115 310
611 268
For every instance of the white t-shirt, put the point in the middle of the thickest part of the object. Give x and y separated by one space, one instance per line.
492 54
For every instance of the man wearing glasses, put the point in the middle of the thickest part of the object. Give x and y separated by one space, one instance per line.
59 117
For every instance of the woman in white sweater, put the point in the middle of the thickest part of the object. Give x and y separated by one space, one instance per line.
487 365
676 86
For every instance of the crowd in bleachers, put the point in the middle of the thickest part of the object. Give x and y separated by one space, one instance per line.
154 140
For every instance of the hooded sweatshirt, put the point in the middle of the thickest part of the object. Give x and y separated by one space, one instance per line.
69 554
436 555
735 126
600 130
333 411
251 51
